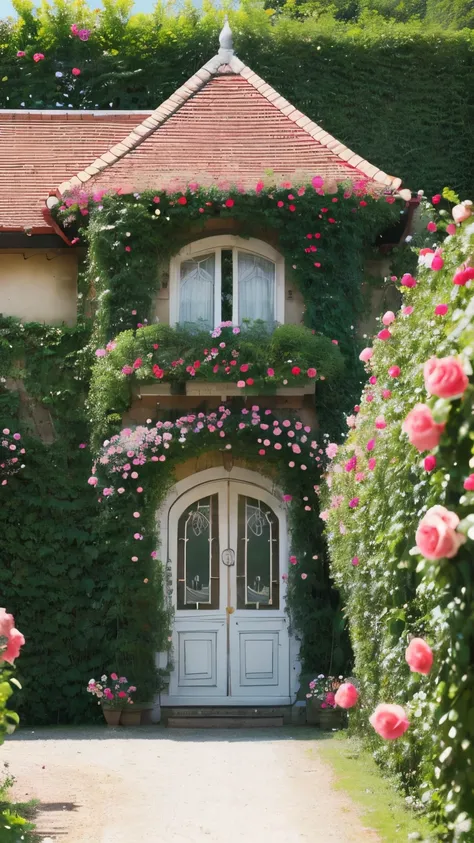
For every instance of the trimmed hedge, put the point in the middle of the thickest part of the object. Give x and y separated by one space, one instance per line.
392 593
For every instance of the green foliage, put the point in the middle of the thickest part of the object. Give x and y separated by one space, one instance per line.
14 818
344 74
391 595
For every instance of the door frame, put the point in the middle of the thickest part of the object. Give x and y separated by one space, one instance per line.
191 486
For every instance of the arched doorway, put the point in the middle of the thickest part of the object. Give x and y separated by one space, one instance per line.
225 535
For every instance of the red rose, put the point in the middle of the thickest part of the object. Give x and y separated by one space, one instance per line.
296 370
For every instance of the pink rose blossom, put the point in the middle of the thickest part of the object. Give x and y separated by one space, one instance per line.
407 280
20 54
451 229
462 275
432 227
331 450
386 394
380 423
419 656
384 334
366 354
445 377
346 695
469 483
15 639
441 309
370 445
92 481
38 57
354 503
324 515
371 463
436 536
422 430
407 310
311 372
437 263
304 576
394 371
389 721
355 561
429 463
388 317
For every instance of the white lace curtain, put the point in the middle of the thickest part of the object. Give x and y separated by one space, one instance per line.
196 297
256 288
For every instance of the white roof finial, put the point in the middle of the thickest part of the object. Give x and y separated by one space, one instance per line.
226 50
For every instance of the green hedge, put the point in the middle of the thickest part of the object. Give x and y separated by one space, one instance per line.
391 593
398 94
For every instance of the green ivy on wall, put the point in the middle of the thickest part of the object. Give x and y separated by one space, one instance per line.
68 572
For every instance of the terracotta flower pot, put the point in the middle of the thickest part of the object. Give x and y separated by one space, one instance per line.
112 715
138 714
330 718
130 717
313 710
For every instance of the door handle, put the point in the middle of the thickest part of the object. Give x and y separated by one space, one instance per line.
228 557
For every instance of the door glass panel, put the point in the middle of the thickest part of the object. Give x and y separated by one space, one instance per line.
196 294
257 555
256 288
198 555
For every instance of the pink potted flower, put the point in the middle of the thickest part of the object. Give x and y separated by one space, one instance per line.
321 706
114 694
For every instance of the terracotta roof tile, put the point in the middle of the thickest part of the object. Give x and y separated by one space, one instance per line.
38 150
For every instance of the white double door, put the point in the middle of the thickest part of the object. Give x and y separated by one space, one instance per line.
228 549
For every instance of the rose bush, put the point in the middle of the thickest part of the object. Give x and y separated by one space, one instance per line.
403 556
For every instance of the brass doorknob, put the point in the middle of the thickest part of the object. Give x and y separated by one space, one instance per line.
230 610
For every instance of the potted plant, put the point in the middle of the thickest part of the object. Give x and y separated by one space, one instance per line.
321 708
114 697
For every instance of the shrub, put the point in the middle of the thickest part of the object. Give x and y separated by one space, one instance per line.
391 592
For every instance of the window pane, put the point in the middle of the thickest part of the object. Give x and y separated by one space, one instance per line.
196 295
198 550
257 561
256 288
227 286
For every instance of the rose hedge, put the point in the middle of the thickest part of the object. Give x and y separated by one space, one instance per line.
379 488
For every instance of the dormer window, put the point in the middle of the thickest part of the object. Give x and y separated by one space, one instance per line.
226 278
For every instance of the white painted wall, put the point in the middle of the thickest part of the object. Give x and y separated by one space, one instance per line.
39 286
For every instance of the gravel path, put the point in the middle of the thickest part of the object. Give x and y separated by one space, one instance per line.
153 785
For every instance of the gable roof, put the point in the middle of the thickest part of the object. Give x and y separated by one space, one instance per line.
225 125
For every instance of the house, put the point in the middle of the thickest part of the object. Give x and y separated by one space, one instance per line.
223 526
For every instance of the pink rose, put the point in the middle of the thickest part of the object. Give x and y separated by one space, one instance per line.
394 371
366 354
437 263
389 721
15 639
388 317
441 310
469 483
436 536
384 334
423 432
429 462
92 481
451 229
462 275
311 372
462 212
419 656
38 57
114 676
407 280
20 54
346 695
432 227
445 377
380 423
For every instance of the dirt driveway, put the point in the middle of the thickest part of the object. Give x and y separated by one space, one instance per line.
153 785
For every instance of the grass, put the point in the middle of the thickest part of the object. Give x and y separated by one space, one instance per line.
383 808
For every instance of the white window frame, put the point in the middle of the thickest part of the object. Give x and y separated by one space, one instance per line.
216 245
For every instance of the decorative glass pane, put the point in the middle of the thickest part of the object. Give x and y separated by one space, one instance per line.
256 288
196 295
257 561
197 554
